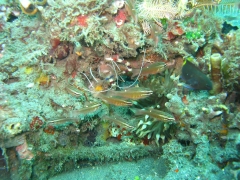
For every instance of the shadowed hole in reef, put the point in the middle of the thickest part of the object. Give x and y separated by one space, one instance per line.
91 138
3 167
184 142
11 18
2 161
193 126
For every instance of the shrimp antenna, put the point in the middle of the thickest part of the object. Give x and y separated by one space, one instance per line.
92 74
138 74
88 80
91 84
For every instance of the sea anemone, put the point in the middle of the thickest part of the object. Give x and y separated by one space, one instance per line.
154 129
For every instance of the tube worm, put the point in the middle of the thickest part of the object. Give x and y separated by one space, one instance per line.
216 61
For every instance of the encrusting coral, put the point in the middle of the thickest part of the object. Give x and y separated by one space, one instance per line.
90 80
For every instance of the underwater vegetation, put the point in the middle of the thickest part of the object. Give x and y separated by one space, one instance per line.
95 81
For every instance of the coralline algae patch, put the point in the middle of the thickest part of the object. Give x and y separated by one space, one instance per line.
89 82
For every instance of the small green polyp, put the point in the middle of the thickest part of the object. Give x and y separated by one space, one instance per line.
193 35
